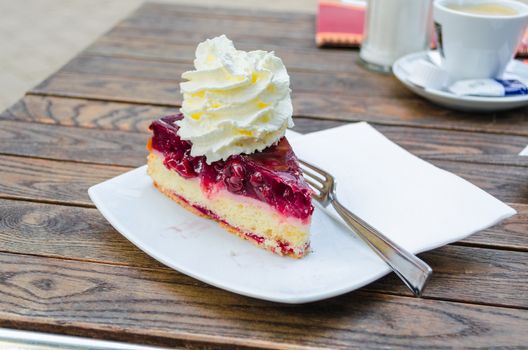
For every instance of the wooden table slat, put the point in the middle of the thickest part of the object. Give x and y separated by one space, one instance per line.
154 49
112 143
162 303
27 224
42 179
193 36
50 180
390 111
103 115
204 11
292 28
344 84
462 273
135 117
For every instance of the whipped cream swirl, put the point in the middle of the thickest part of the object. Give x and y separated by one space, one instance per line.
234 101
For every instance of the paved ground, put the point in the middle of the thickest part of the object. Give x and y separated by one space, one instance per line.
38 36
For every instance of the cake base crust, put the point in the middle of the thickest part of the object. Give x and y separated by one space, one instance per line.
249 236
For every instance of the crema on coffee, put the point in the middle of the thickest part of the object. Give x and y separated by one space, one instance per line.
488 9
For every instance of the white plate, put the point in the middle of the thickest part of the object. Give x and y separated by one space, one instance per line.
445 98
418 206
200 248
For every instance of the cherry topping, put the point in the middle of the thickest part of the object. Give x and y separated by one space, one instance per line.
185 168
287 194
264 193
272 176
234 176
256 179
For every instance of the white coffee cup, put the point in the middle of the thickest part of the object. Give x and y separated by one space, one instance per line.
474 46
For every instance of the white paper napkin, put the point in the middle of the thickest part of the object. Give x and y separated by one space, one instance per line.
411 201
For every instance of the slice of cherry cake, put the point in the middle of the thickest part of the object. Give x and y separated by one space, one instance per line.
261 197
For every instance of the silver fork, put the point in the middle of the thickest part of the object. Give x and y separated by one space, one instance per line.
413 271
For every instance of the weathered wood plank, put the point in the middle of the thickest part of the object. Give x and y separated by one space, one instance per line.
72 143
412 111
462 273
392 111
85 113
207 11
355 84
108 147
475 274
195 36
328 60
128 148
49 180
134 117
164 306
117 67
65 232
253 25
183 23
108 88
27 219
41 179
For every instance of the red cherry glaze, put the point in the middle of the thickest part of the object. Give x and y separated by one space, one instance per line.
272 176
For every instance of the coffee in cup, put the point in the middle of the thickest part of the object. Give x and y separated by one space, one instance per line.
490 9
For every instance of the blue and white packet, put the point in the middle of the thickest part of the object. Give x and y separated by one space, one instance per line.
489 87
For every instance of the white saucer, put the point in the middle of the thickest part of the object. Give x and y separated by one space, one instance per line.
448 99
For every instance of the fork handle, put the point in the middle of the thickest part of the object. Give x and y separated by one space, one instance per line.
412 271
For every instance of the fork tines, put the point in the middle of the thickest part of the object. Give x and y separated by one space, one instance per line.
317 178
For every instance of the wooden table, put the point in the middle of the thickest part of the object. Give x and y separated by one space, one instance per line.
64 269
